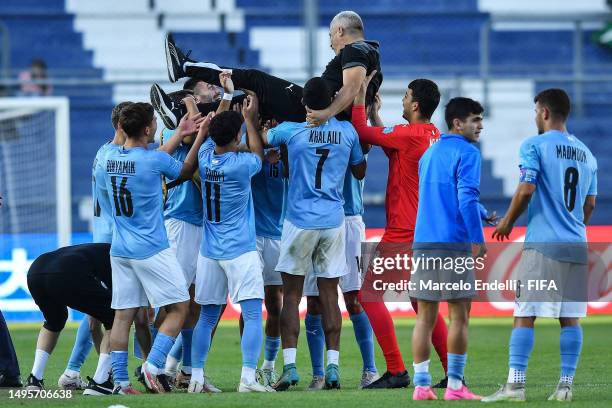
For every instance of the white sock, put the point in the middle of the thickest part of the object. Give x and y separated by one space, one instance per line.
567 379
152 369
516 376
40 362
267 365
71 373
454 383
186 369
248 375
422 367
333 356
202 65
197 375
104 364
171 365
289 355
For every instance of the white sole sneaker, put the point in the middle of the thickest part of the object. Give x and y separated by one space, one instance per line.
254 387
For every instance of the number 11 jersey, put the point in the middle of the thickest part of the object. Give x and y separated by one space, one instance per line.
564 171
229 220
318 161
133 181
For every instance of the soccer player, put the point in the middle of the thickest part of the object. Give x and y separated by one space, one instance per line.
281 99
448 225
228 259
558 187
350 285
313 237
145 269
78 277
403 145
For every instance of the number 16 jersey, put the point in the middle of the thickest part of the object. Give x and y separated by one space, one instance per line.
564 171
133 182
318 161
229 220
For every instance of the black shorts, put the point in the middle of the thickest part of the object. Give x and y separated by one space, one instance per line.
54 293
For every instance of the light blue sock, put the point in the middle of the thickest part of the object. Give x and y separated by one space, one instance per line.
271 347
159 350
186 336
202 333
316 343
521 344
154 331
119 362
177 350
570 343
422 379
456 365
252 335
363 335
82 346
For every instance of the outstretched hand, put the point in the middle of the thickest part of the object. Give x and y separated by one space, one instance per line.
225 78
316 117
503 230
190 125
250 108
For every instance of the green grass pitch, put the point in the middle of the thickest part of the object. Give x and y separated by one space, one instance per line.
486 368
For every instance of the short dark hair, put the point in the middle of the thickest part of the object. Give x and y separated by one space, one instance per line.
316 94
460 108
224 127
556 100
116 111
135 117
427 94
191 84
180 94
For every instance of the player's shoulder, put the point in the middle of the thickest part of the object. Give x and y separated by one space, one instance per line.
534 141
363 46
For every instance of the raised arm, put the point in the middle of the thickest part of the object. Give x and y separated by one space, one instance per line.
187 127
225 79
250 112
190 164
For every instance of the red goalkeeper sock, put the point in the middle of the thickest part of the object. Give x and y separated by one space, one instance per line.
439 338
382 325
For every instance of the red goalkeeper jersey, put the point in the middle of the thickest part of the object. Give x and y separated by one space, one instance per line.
404 145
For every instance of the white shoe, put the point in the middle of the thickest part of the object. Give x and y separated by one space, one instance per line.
367 378
66 382
507 392
254 387
198 387
563 393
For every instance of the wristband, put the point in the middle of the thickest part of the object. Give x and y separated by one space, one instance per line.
228 96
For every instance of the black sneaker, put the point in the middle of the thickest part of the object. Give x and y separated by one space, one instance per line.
139 375
165 382
93 388
10 382
444 383
388 380
168 109
33 383
175 59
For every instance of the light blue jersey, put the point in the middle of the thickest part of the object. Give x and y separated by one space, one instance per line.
133 181
353 194
103 219
229 219
564 171
318 159
184 201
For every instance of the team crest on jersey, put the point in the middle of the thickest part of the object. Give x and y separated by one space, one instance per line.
387 130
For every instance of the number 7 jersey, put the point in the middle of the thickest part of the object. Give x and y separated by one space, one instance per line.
318 161
133 183
229 220
565 172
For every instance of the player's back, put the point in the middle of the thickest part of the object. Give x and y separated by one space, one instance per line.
318 159
353 194
133 180
566 173
76 260
269 196
103 219
229 221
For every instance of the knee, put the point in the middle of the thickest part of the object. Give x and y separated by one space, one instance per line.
353 306
209 314
273 307
313 306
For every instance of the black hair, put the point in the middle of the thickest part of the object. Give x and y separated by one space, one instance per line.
556 100
316 94
460 108
224 127
135 117
116 111
427 94
191 84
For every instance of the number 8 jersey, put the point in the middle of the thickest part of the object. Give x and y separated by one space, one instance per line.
229 220
133 182
565 172
318 161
